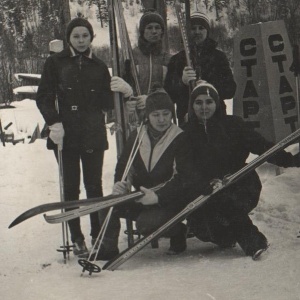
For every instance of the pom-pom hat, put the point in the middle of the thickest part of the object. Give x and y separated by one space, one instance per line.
198 18
79 22
204 88
150 16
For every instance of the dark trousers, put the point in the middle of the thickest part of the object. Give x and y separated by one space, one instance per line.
92 163
224 219
148 219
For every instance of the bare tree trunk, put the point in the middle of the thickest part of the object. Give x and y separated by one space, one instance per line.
64 16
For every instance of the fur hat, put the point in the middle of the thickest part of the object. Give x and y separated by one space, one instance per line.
198 18
204 88
159 99
79 22
150 16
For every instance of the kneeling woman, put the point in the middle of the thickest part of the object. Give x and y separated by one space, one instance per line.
221 145
163 157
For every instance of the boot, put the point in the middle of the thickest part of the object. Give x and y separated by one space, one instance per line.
109 247
80 248
178 241
108 250
250 239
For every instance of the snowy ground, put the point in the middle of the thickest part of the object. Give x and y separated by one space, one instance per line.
32 269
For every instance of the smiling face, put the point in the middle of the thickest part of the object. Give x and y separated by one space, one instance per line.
80 38
153 32
204 107
160 119
198 34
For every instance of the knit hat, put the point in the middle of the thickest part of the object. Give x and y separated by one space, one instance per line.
198 18
159 99
79 22
150 16
204 88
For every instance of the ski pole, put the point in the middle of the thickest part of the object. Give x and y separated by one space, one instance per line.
87 264
2 134
65 248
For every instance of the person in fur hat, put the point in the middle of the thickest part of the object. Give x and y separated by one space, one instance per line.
208 63
220 145
73 95
163 156
150 59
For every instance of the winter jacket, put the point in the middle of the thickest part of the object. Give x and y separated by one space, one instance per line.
222 148
210 64
82 86
151 68
168 161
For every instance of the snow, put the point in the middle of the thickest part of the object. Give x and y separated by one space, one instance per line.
20 76
31 268
26 89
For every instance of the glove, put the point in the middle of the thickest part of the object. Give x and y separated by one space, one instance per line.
118 84
141 102
131 106
188 74
121 187
150 198
57 133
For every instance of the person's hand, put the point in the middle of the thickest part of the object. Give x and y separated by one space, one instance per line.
216 183
141 102
188 74
117 84
121 187
131 106
57 133
150 198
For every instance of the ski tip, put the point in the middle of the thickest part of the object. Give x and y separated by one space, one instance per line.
17 221
13 223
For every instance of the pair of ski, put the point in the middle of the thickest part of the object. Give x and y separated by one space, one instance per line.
197 203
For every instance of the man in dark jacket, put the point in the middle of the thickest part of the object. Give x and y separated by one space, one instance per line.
73 95
150 59
163 157
209 64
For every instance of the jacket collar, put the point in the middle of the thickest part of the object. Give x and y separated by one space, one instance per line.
73 53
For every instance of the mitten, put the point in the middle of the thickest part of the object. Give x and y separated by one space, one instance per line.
131 105
188 74
150 197
118 84
141 102
121 187
57 133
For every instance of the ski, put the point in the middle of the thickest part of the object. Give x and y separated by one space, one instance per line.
199 201
72 204
72 214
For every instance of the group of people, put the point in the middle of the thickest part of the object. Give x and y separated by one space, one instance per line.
75 92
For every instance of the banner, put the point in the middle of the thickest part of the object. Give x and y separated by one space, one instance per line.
266 88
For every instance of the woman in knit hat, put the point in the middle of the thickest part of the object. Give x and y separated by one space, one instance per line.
72 96
221 144
208 63
150 59
163 156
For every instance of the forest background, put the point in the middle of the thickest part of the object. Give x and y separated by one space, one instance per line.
27 27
